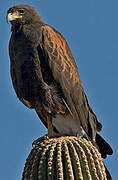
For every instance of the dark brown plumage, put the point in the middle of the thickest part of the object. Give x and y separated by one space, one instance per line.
45 77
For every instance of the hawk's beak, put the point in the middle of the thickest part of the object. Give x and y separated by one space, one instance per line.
13 16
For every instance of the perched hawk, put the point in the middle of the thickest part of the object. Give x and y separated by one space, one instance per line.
45 78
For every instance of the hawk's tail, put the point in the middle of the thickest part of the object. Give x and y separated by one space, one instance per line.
104 148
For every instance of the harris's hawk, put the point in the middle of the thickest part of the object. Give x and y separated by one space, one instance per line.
45 78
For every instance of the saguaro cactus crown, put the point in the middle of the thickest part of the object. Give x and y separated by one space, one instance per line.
64 158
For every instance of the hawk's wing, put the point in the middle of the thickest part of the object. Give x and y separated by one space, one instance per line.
65 72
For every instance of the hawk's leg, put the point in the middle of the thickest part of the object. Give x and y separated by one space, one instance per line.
51 132
50 127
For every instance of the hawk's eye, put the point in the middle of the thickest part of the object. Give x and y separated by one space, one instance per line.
21 11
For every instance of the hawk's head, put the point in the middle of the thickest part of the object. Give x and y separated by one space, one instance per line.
22 14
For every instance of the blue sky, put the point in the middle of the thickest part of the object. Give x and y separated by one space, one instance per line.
91 30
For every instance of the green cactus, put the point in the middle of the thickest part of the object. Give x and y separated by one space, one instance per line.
64 158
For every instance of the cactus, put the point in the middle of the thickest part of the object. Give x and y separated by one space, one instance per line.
64 158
